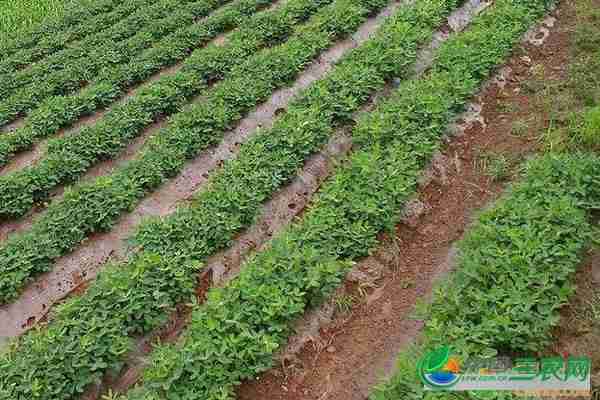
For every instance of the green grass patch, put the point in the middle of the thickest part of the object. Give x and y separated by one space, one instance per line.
585 129
564 106
495 165
18 17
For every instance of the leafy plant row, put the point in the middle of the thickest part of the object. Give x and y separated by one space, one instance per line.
73 19
70 156
59 111
514 270
59 40
271 158
233 335
75 65
136 297
196 128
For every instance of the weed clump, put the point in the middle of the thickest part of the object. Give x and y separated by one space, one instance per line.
585 132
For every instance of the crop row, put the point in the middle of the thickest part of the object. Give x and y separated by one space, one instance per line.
59 111
162 97
60 229
271 159
73 19
196 128
111 46
234 334
67 158
59 41
514 270
136 297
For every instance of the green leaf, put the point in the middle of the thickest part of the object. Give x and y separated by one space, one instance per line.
437 359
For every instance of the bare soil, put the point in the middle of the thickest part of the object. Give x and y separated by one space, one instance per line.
287 204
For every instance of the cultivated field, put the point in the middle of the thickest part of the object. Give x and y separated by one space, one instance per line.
220 199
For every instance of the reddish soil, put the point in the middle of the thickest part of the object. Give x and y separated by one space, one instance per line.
353 351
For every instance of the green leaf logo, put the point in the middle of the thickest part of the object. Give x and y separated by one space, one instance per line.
432 370
437 359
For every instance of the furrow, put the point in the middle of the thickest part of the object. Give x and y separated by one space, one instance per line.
526 285
224 266
451 190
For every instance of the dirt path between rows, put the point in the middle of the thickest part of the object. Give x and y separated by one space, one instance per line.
349 352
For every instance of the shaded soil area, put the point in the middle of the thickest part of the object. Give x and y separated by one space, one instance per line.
353 348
